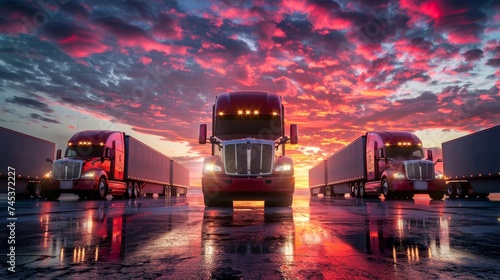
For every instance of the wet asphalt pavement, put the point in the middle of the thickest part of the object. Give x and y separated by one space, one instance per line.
317 238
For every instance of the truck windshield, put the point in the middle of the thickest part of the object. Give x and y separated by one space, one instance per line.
260 127
84 151
408 152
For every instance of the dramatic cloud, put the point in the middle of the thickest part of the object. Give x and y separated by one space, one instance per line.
42 118
342 67
31 103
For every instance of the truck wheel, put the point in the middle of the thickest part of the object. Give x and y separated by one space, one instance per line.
102 189
52 195
436 195
362 193
356 190
36 190
451 191
353 187
385 189
137 191
461 190
130 190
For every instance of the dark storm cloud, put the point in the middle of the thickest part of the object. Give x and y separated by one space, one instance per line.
325 4
494 62
29 102
120 28
42 118
474 54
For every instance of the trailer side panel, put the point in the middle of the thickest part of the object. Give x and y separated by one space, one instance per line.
180 175
144 163
472 156
348 164
317 175
27 154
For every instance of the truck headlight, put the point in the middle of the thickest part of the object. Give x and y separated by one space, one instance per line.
47 175
439 176
88 175
210 167
283 168
398 175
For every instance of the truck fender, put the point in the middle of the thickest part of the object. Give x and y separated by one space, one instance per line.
388 174
98 173
284 160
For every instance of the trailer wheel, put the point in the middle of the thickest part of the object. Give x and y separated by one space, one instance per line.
385 189
102 189
451 191
462 190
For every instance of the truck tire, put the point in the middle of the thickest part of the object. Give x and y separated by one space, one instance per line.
130 190
362 193
52 195
36 190
286 201
136 191
436 195
386 189
102 189
215 203
451 191
462 190
356 190
161 194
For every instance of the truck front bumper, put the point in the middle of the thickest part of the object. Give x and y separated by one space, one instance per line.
419 186
75 186
248 188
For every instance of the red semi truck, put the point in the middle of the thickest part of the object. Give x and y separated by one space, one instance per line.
471 164
102 162
391 163
248 159
24 161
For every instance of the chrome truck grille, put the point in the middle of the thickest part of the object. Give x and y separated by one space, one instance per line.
419 170
66 169
248 158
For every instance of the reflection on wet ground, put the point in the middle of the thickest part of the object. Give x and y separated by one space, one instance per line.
318 238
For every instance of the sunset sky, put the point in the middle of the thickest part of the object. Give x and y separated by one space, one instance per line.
153 69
